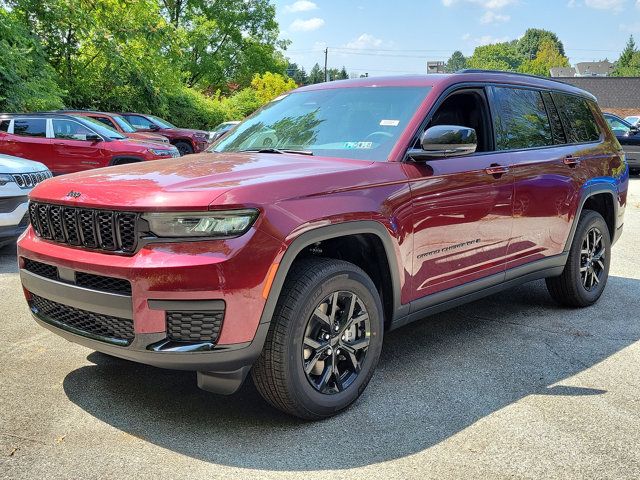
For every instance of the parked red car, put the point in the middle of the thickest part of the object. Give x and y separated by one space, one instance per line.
336 213
68 143
119 124
186 140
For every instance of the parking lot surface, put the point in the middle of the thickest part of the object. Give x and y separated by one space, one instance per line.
511 386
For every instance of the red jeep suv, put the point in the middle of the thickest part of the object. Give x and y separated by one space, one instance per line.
334 214
69 143
186 140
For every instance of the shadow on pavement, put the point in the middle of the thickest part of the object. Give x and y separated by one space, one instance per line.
435 378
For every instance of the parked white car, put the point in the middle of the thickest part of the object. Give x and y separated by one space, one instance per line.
17 177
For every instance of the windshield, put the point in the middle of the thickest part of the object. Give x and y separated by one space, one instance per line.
124 125
101 128
162 123
359 122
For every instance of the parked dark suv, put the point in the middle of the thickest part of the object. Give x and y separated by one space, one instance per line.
69 143
336 213
186 140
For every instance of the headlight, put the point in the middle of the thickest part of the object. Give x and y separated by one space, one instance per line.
230 223
5 178
160 152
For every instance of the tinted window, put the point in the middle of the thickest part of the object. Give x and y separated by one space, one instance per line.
577 117
138 122
619 127
358 122
68 130
30 127
520 119
4 125
556 125
105 121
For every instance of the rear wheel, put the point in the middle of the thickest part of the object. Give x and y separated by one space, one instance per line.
184 148
324 341
587 270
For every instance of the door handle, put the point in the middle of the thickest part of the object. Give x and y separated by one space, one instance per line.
571 161
497 170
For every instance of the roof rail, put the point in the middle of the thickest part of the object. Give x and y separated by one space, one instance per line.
527 75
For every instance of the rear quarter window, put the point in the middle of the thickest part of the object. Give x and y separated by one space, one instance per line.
520 119
4 125
577 117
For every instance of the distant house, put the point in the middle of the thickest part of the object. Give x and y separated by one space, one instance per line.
585 69
435 67
619 95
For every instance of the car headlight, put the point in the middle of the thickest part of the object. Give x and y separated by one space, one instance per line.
222 224
160 152
5 178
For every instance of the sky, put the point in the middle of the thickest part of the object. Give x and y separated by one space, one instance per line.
383 37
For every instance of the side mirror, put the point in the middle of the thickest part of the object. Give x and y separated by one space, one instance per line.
633 130
154 127
93 137
442 141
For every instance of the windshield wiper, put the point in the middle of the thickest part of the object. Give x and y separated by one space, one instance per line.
277 150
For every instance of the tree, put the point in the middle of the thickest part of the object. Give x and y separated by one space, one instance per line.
548 56
632 69
624 64
456 62
270 85
27 81
343 75
497 56
530 43
297 73
316 74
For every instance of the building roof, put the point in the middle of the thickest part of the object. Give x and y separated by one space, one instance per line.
563 72
611 92
588 69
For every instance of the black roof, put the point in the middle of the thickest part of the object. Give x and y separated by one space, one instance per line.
611 92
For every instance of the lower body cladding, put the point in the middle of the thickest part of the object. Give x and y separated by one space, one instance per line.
97 312
13 218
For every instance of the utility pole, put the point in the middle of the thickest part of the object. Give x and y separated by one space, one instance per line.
326 54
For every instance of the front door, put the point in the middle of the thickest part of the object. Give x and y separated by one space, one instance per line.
72 152
461 206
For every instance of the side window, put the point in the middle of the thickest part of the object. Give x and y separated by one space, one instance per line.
68 130
4 125
106 121
138 121
520 119
556 124
30 127
577 117
617 126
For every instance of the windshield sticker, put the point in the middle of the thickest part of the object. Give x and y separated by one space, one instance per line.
389 123
358 145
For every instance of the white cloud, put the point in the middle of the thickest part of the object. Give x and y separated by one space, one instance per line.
615 5
364 41
492 17
488 4
301 6
630 27
483 40
300 25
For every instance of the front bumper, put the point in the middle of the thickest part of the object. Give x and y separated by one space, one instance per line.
163 276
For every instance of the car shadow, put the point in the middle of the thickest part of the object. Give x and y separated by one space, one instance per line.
8 260
435 378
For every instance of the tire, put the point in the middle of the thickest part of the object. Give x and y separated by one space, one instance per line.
576 288
289 373
184 148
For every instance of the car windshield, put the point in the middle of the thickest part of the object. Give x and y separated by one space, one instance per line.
101 128
357 122
632 119
124 125
162 123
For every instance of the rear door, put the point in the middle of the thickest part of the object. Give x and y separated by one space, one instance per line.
28 139
72 152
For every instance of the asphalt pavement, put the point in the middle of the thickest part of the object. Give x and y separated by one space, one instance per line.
511 386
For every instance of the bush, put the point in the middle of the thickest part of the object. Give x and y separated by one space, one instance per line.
243 103
191 109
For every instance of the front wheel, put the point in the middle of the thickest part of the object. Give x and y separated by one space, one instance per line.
184 148
324 341
587 270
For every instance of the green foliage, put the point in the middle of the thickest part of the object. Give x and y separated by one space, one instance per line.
456 62
316 74
270 85
187 106
628 65
497 56
548 56
531 42
242 104
27 81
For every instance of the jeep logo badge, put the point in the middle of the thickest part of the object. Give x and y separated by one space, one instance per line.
73 194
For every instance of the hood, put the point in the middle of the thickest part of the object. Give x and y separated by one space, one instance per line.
146 143
195 181
188 132
149 137
10 164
